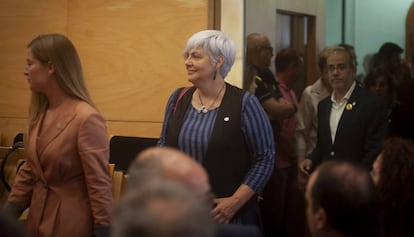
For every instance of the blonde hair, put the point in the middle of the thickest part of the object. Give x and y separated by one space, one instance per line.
58 50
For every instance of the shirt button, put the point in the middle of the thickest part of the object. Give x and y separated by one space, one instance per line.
332 153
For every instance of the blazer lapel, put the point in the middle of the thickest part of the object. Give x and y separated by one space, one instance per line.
67 114
324 123
348 113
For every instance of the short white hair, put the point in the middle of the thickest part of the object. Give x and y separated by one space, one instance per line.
216 44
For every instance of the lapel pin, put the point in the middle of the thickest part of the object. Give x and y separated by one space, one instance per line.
226 119
349 106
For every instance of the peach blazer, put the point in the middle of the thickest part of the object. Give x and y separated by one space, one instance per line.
66 180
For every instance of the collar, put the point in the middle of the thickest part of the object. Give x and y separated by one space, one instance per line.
347 95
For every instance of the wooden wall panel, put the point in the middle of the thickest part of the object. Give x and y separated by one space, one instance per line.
131 51
20 21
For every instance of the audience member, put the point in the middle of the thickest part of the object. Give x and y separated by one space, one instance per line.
342 201
402 115
351 51
279 191
266 89
307 116
222 127
380 82
367 65
393 173
160 163
168 163
261 81
306 132
65 180
389 58
162 209
352 122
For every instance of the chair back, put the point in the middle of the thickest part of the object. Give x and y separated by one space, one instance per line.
124 149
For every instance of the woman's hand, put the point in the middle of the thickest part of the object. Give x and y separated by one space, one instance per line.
225 209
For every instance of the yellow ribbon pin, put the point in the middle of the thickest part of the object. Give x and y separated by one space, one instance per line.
350 106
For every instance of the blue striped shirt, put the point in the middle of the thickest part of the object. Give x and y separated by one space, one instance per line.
197 129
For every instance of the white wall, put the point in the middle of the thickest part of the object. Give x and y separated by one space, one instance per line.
241 17
368 24
261 16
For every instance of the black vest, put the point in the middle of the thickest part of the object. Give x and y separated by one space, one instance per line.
227 160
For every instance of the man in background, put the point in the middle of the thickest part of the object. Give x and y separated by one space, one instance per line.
259 79
342 201
307 116
352 122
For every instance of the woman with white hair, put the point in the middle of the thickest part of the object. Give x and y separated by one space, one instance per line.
222 127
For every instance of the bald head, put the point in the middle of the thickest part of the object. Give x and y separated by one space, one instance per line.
259 52
163 162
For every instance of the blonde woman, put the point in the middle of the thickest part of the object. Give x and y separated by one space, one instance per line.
65 181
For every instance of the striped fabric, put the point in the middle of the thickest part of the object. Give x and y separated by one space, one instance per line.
197 129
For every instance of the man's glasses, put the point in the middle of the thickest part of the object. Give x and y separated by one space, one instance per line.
338 68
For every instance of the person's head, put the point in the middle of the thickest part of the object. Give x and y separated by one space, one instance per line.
351 51
389 56
171 164
341 69
368 62
392 173
289 62
162 209
323 66
208 55
341 198
52 58
380 82
395 164
259 52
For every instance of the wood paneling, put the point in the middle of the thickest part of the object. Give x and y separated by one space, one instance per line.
131 52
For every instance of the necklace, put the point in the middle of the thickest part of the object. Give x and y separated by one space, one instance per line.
205 109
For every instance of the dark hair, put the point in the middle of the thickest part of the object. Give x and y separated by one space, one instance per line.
376 73
347 194
396 187
286 57
389 48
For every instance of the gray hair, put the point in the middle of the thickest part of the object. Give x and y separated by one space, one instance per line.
162 209
216 44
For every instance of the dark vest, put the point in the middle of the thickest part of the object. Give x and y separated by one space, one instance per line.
227 160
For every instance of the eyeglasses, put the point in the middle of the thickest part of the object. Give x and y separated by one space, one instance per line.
338 68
